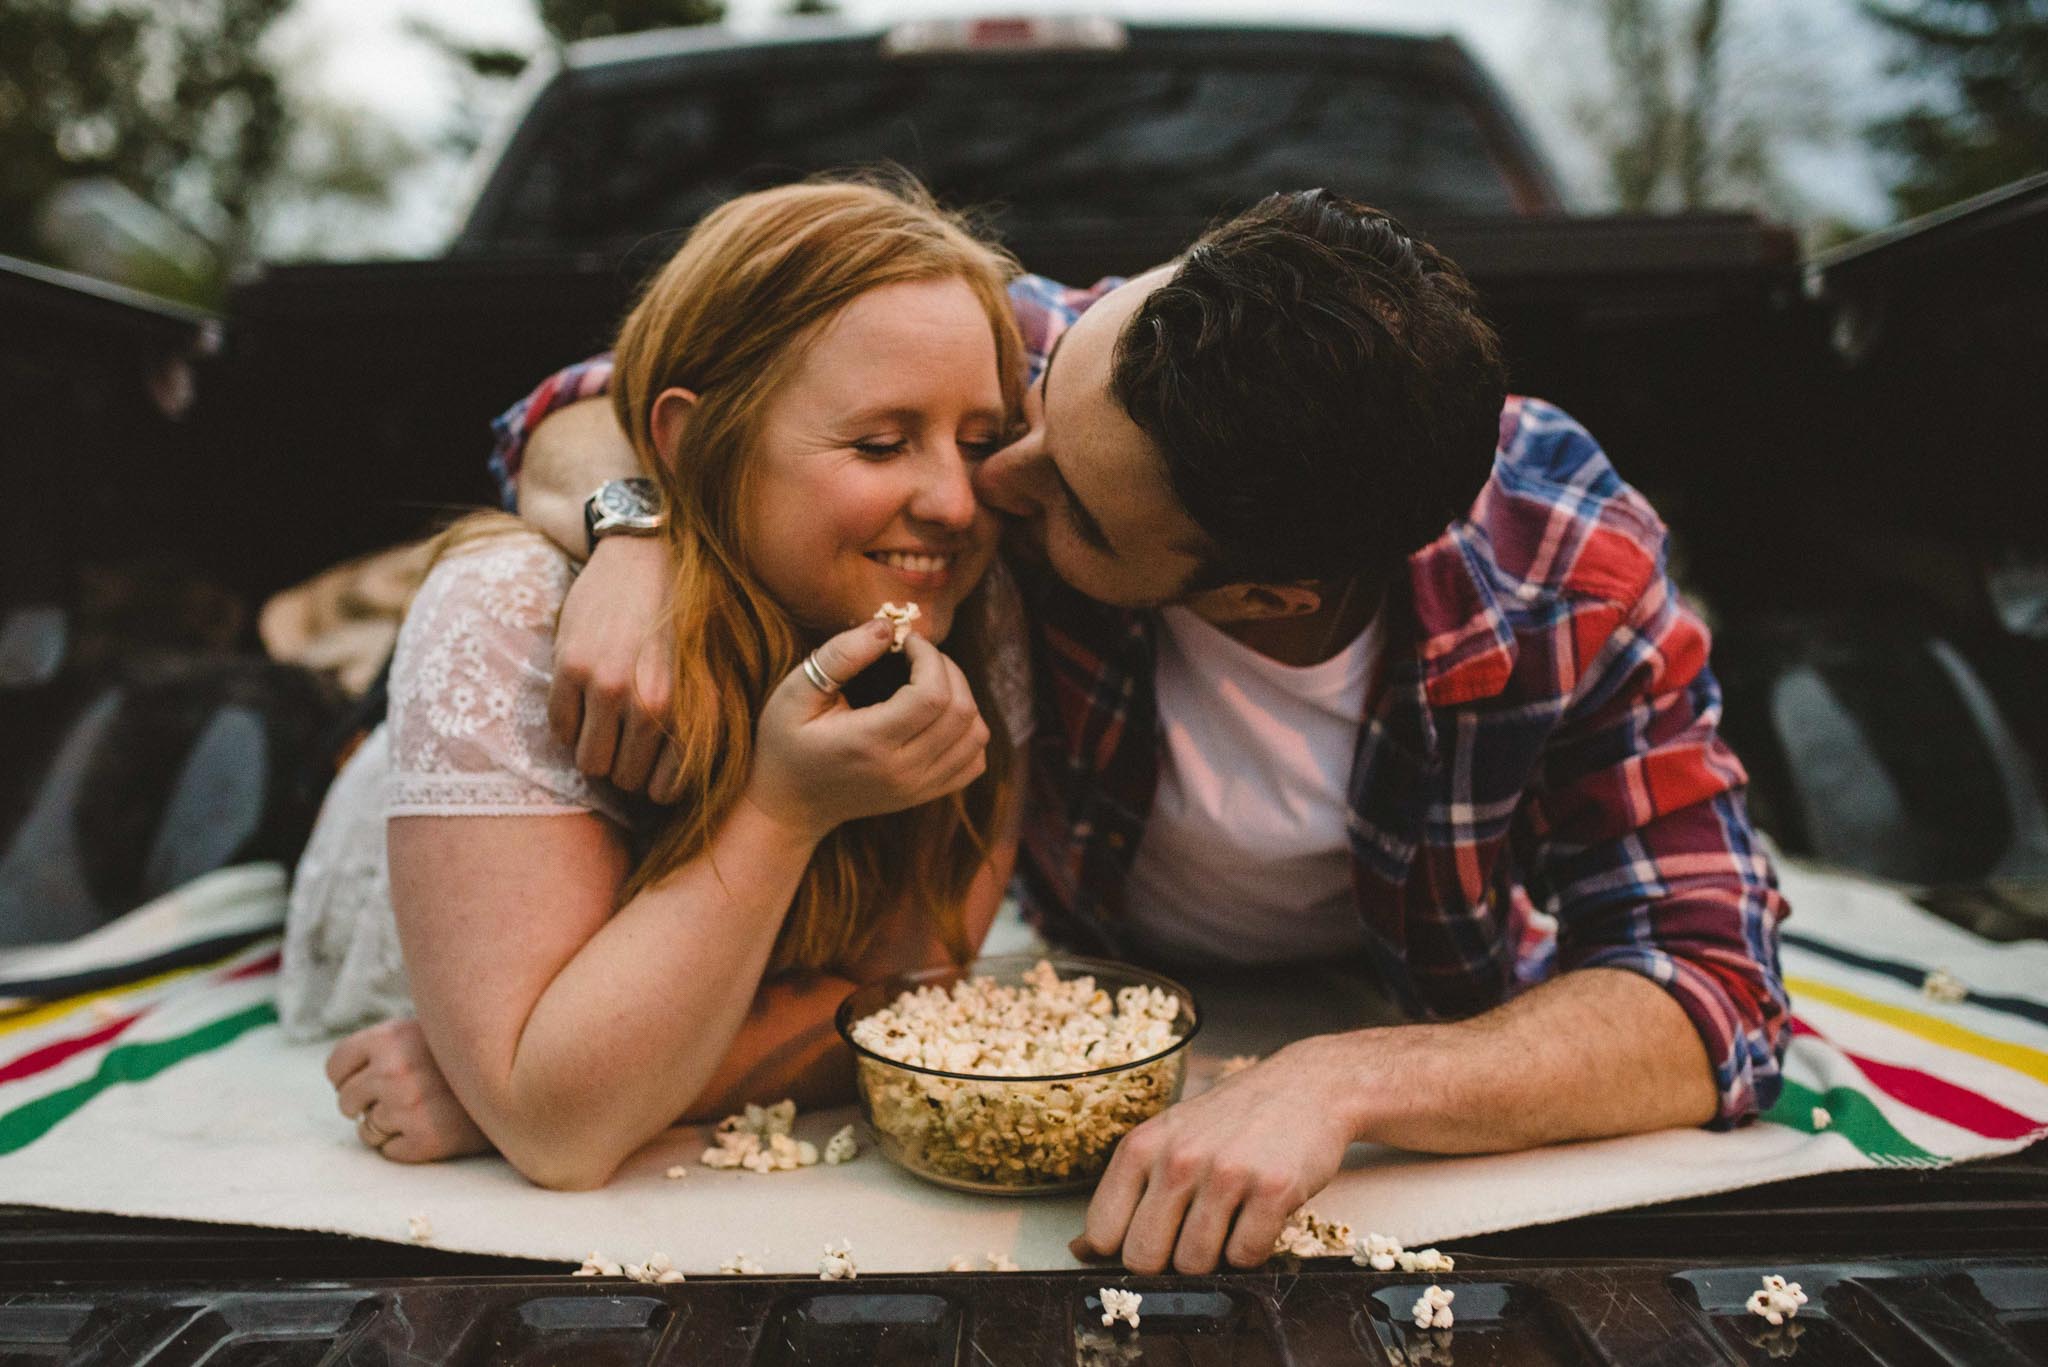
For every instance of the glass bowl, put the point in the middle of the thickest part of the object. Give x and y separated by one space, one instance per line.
1007 1134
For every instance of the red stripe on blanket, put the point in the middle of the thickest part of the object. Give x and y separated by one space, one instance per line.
255 968
50 1055
1965 1109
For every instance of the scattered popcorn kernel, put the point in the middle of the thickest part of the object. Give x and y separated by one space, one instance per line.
1118 1304
1236 1063
1428 1260
960 1262
1375 1251
1001 1262
740 1265
1777 1301
759 1139
419 1229
899 618
837 1264
1433 1310
597 1265
842 1147
1821 1118
1308 1235
1943 986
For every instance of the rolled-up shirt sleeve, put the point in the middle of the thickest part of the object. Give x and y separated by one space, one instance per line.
512 429
1647 857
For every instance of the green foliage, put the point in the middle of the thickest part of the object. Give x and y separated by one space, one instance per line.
1689 103
171 99
1990 124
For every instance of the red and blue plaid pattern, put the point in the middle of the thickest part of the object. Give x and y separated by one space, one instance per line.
1539 784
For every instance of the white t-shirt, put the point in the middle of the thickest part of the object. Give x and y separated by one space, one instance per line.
1244 857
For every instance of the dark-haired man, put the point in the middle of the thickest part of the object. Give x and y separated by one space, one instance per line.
1342 652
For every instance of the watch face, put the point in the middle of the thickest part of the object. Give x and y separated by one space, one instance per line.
629 500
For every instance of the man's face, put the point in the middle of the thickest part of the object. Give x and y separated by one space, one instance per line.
1086 487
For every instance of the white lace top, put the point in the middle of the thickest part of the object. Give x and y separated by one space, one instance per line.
467 735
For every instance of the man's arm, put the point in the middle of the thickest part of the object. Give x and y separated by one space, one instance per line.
569 453
1585 1056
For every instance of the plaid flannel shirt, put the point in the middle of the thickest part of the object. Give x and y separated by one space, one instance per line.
1538 785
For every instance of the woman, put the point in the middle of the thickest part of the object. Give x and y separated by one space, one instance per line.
808 380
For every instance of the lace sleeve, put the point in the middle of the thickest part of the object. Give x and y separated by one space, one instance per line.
1009 656
469 691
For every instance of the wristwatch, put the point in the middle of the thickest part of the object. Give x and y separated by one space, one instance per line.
623 507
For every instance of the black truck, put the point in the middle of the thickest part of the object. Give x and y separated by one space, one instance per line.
1843 446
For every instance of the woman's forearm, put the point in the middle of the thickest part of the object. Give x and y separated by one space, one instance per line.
629 1028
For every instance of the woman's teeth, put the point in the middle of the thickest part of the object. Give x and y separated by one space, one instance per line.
915 564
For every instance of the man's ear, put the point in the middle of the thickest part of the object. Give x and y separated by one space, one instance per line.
671 415
1254 602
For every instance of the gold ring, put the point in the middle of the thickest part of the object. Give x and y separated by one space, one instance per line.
820 680
373 1134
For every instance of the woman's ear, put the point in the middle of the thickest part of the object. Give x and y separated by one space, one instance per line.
671 415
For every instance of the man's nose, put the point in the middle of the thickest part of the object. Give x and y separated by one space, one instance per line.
1001 479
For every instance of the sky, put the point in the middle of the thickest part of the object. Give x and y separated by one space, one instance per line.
360 52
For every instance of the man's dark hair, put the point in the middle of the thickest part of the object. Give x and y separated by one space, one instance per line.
1321 384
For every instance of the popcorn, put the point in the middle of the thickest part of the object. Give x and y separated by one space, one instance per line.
1375 1251
658 1270
1308 1235
419 1229
1235 1064
1940 985
1118 1304
1778 1301
1001 1262
899 619
1383 1254
837 1264
597 1265
1023 1132
678 1170
1433 1310
841 1147
758 1139
960 1262
740 1265
1821 1118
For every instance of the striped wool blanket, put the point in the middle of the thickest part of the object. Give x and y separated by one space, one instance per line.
142 1072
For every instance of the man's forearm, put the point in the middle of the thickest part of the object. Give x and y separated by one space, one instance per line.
1590 1054
574 450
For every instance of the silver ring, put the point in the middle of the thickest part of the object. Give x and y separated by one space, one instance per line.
820 680
374 1134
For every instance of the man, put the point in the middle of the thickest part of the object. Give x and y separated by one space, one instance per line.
1341 652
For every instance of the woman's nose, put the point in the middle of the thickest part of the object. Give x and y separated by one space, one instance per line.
946 495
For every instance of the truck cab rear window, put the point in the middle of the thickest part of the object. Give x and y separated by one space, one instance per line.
1057 145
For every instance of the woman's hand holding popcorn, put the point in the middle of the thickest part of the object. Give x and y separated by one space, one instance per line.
1229 1165
820 763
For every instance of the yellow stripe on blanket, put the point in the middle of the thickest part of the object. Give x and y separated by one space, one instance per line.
64 1006
2018 1057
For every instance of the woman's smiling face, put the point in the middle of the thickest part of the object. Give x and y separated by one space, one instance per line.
859 491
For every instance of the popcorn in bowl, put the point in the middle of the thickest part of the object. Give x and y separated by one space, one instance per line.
1017 1075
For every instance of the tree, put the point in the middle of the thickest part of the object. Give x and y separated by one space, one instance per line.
177 104
1990 125
1686 104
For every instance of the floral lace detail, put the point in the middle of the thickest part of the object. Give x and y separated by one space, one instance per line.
469 690
467 736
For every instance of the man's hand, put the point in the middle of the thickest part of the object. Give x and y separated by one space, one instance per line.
614 675
386 1081
1218 1175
